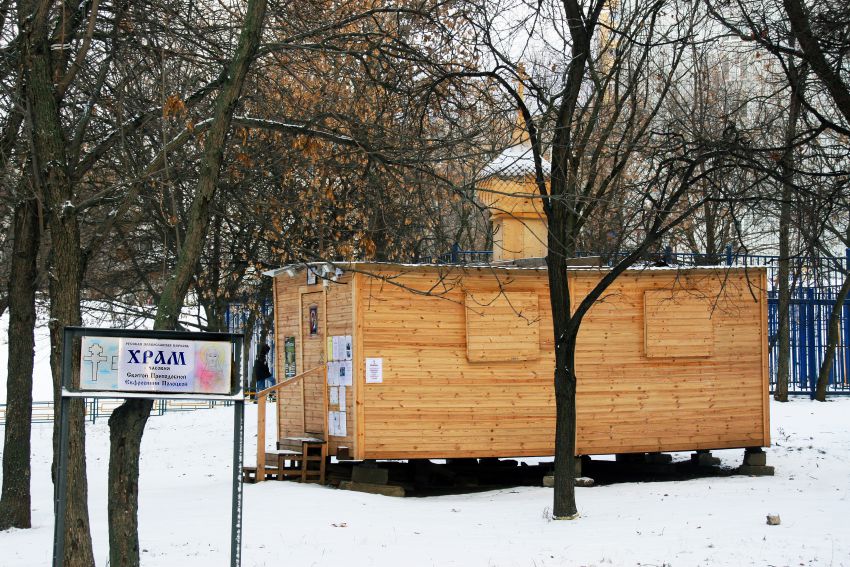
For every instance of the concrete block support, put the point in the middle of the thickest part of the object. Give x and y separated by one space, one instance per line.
755 457
703 458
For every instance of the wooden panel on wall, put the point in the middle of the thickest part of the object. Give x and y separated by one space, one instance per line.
677 323
504 327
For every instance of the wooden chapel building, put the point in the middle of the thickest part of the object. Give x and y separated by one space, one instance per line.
399 361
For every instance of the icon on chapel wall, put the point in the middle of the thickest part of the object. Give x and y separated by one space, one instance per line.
289 357
314 320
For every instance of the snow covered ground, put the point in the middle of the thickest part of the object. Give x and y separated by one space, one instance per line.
42 388
185 509
185 506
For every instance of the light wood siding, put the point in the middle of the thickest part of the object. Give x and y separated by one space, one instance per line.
290 403
434 402
340 321
677 323
292 319
516 318
630 403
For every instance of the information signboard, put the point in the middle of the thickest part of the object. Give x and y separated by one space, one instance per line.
139 364
130 363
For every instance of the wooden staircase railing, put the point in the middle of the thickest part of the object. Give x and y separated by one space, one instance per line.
262 399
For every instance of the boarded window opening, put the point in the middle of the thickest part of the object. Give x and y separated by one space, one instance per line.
503 328
677 324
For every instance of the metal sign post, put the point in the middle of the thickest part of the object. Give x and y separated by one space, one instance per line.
152 377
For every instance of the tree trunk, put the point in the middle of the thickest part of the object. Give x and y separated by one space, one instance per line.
171 301
564 504
65 310
51 180
127 424
565 431
786 166
784 308
832 340
15 499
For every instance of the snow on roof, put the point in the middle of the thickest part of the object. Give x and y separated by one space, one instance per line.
514 161
360 264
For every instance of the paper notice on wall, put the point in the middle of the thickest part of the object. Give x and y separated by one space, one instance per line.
341 429
333 373
374 370
341 398
336 424
347 348
340 347
333 395
344 371
337 347
289 357
332 422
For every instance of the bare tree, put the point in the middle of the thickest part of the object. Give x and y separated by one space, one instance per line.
612 139
810 42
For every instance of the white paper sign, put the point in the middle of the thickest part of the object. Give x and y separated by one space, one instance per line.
337 349
341 398
334 396
343 373
333 372
374 370
341 429
340 347
336 424
347 348
332 423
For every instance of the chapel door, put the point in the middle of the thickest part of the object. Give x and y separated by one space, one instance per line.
313 355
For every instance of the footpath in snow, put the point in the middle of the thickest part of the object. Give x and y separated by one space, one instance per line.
185 509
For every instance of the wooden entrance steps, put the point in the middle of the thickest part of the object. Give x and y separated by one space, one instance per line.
306 465
301 458
276 467
312 453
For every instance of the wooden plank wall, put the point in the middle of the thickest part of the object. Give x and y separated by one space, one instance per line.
290 414
290 409
340 321
336 314
630 403
434 403
516 316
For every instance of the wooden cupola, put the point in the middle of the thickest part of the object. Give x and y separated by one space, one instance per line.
508 189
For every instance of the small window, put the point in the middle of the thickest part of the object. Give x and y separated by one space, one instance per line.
502 327
677 324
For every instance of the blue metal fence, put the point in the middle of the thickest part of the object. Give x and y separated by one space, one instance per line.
810 311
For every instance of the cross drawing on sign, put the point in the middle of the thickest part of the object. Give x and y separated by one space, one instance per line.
94 358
